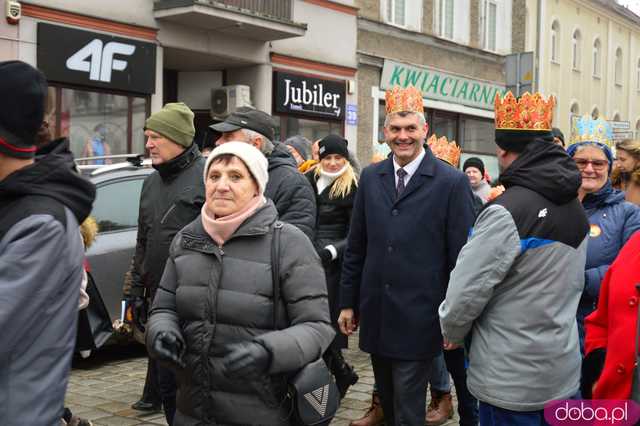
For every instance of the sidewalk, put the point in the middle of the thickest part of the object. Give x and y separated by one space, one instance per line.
102 390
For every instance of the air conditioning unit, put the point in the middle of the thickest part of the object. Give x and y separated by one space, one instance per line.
227 99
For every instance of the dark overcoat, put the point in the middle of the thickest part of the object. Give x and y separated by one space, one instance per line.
400 252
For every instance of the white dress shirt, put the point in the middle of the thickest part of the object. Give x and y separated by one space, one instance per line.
409 168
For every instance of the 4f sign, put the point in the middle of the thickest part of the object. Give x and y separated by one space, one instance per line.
98 60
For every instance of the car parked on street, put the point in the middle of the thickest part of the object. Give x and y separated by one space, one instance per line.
115 210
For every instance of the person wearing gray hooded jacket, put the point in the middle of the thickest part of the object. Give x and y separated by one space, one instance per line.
212 318
517 282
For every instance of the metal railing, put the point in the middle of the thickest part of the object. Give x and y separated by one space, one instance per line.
280 9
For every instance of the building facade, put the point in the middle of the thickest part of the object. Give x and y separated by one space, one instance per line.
453 50
107 75
588 55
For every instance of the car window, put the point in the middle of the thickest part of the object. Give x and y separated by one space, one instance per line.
116 205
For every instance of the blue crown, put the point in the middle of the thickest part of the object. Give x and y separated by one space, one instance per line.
586 129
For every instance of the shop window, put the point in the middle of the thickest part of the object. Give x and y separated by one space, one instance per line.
444 124
310 129
98 123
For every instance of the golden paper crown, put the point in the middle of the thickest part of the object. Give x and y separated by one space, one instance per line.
445 150
403 100
530 112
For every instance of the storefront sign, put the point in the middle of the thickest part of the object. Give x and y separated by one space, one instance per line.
309 96
67 55
441 86
352 115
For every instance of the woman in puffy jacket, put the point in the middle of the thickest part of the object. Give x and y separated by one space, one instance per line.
612 220
212 318
611 329
335 184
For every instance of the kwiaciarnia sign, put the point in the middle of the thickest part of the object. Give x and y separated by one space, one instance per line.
441 86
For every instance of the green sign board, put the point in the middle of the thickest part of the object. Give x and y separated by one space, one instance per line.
441 86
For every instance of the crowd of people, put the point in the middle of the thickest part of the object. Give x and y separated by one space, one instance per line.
262 257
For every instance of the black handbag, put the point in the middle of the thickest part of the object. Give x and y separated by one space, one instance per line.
313 392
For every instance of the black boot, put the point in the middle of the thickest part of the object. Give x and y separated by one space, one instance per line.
344 374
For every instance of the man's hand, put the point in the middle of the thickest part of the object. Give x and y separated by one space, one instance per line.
168 347
448 346
347 322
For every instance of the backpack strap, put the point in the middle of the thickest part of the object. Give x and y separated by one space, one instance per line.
275 270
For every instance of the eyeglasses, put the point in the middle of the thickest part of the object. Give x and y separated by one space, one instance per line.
582 163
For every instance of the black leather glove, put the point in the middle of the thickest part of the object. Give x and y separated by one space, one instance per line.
325 255
248 359
167 346
138 311
592 366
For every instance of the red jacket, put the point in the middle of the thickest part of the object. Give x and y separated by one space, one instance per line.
612 325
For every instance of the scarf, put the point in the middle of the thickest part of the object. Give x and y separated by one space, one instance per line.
221 229
327 178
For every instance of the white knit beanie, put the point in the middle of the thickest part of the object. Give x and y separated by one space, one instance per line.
252 158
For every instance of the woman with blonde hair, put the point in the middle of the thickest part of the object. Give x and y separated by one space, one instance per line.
335 184
627 161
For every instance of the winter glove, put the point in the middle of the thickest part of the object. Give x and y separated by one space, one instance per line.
138 311
169 347
592 366
245 360
325 255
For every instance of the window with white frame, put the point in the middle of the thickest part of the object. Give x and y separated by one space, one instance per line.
618 67
490 25
595 113
446 18
555 41
597 54
396 12
576 40
575 109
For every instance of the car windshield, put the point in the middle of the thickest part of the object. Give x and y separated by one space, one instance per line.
116 205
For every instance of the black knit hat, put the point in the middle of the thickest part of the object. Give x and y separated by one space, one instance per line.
557 133
333 144
24 90
474 162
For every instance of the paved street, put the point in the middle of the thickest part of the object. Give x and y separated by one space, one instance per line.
102 388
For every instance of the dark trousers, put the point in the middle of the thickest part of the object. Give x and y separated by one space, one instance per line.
168 388
160 387
490 415
467 403
402 386
151 393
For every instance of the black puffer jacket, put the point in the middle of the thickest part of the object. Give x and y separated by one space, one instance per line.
171 198
215 296
290 191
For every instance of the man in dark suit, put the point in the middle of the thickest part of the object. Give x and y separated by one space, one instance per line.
411 217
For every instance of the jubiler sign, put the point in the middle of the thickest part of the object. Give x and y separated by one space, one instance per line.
309 96
441 86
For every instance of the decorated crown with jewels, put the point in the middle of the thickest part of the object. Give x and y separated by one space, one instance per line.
445 150
403 100
529 112
586 129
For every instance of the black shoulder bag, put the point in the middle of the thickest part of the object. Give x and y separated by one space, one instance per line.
312 390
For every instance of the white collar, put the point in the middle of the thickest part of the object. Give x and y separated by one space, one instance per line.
409 168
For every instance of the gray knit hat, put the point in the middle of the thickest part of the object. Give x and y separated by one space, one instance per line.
301 144
175 122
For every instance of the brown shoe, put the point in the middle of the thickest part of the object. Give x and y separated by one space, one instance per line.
374 416
440 409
